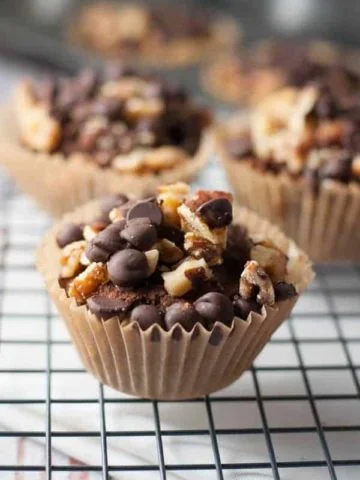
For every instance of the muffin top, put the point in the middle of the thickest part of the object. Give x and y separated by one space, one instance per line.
129 29
174 258
270 65
125 120
311 131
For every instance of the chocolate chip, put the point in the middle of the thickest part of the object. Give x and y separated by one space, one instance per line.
109 202
183 313
68 233
146 209
127 267
215 307
243 307
107 242
146 316
284 290
337 168
140 234
216 213
105 307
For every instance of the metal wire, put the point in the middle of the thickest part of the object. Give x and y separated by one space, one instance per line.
258 398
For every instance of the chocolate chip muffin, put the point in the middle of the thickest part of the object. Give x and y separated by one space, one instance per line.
72 139
170 297
297 162
270 65
160 35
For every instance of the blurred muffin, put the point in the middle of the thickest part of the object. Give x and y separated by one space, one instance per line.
169 297
72 139
297 162
269 65
160 35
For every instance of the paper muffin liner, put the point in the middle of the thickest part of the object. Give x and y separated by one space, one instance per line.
325 224
177 364
58 185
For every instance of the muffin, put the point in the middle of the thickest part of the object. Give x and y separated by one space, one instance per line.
270 65
72 139
169 297
159 35
296 162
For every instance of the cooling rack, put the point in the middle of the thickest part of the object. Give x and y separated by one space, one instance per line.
294 415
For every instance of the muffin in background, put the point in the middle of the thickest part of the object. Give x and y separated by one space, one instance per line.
167 35
170 297
67 140
297 162
249 76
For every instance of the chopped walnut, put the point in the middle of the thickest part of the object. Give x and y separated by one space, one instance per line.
85 284
152 257
170 197
70 259
143 107
255 281
180 281
199 247
38 130
169 252
271 259
90 231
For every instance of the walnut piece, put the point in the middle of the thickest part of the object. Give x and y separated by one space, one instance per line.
85 284
152 257
179 281
70 259
254 279
270 259
38 130
170 197
169 252
199 247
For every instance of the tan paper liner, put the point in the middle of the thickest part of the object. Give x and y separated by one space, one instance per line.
325 225
59 185
176 364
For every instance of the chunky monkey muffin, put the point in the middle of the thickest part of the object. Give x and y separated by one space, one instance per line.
161 35
297 161
169 297
77 138
270 65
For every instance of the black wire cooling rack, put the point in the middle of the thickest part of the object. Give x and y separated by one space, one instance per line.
294 415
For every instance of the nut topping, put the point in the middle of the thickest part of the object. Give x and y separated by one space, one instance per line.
254 281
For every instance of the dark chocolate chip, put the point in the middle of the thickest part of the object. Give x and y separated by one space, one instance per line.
146 209
105 307
112 201
106 243
68 233
216 213
141 235
127 267
215 307
183 313
243 307
146 316
284 290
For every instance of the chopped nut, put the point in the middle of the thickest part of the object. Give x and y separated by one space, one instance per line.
199 247
70 259
85 284
38 130
179 281
190 222
142 107
90 231
124 88
170 198
152 257
84 260
254 279
132 162
271 259
169 252
116 214
164 157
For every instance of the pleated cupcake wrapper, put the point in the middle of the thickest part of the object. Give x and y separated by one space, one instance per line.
59 185
326 225
168 365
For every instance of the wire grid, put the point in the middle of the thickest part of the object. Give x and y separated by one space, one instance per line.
295 414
